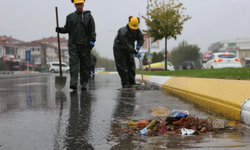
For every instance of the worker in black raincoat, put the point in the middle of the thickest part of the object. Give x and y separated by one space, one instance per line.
80 26
124 51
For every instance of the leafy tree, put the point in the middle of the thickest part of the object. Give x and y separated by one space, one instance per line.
2 66
165 20
184 52
157 57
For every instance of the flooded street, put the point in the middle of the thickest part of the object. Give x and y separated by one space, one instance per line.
35 116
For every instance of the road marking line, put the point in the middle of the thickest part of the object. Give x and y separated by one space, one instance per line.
27 84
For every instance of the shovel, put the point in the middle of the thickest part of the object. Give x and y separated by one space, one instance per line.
141 71
60 80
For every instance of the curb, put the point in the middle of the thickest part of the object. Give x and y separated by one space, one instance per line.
106 72
228 98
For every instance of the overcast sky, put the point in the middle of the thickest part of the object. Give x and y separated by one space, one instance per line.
212 20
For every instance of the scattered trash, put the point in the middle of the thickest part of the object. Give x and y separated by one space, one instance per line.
163 129
219 124
177 122
132 123
185 131
178 114
149 126
142 123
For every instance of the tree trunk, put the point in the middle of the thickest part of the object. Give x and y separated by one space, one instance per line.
166 55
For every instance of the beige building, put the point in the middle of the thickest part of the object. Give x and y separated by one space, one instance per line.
41 54
63 45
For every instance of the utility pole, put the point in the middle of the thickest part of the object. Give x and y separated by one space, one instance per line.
140 19
149 67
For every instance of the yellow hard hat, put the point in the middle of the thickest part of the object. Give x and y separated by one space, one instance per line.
78 1
133 23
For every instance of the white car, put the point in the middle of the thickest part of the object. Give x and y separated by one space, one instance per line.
54 67
222 60
100 69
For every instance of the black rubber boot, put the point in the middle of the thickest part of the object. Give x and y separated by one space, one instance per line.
73 87
84 88
126 86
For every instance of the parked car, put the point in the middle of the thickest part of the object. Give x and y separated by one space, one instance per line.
188 65
159 66
54 67
222 60
100 69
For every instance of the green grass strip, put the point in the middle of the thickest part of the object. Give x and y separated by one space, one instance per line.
227 73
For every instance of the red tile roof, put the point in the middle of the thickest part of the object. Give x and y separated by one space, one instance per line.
51 40
35 43
7 44
7 39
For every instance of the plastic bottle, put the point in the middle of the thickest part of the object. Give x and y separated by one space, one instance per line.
152 123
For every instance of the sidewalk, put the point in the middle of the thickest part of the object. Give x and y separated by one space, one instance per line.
228 98
19 74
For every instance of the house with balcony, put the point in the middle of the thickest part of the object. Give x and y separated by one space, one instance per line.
41 54
12 52
63 45
9 51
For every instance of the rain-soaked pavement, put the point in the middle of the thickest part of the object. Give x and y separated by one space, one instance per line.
34 116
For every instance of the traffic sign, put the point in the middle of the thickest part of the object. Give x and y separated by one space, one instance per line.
27 55
149 55
206 55
149 61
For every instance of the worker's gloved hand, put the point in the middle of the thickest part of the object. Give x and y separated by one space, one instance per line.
58 29
91 44
138 55
138 47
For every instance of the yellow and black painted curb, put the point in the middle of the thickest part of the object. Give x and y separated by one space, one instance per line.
229 98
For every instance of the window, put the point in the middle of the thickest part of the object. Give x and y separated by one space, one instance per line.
210 58
227 56
10 50
63 65
55 64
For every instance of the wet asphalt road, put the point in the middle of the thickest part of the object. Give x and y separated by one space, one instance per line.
35 116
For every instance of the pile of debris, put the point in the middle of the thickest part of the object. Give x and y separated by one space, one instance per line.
142 87
176 123
147 87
